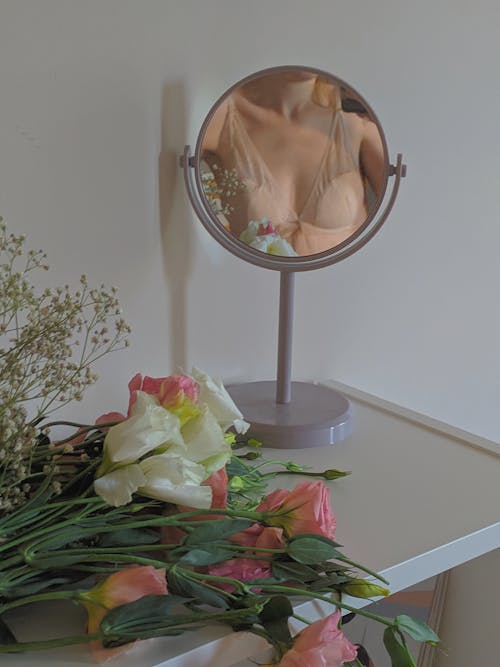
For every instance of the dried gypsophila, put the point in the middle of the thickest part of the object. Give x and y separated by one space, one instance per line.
220 186
48 343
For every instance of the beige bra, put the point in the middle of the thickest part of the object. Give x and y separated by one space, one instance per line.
334 207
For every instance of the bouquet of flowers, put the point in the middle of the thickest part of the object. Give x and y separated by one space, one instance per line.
157 521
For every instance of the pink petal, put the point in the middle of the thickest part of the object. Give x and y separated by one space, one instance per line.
127 585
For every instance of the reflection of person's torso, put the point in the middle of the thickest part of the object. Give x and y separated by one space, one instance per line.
304 178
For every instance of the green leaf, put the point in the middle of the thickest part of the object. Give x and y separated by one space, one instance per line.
274 617
312 549
209 555
418 630
236 467
279 606
396 647
319 538
179 584
129 537
216 530
147 610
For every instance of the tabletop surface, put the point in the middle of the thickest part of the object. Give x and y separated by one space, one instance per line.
422 498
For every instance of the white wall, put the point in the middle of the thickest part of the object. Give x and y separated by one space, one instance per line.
97 94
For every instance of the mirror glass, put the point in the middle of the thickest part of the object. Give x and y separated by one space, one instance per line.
292 162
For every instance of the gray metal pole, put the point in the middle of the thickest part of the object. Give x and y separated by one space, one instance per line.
284 372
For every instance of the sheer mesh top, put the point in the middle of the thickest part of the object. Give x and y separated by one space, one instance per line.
334 207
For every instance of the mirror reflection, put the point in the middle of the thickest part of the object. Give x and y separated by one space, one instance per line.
292 162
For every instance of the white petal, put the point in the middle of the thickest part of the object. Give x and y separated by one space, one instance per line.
175 468
241 426
204 439
175 479
250 233
280 246
219 402
117 487
148 427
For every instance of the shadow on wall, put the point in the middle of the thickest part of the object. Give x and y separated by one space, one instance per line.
175 226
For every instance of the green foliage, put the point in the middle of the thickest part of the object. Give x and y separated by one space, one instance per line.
417 630
129 537
397 649
216 530
147 612
208 555
274 618
311 549
180 584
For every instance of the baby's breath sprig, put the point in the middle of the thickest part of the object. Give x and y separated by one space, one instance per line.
49 341
220 186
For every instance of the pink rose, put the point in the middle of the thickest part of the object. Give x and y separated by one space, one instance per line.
304 509
170 391
241 569
260 536
321 644
121 587
244 569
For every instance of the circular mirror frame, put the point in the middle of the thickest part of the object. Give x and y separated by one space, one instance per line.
339 252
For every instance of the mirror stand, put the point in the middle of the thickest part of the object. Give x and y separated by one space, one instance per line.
286 414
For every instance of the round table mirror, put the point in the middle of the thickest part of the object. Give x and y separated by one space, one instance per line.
291 173
291 162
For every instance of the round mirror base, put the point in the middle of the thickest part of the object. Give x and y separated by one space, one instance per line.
315 417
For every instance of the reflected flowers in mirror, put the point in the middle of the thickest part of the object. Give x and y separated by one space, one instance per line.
261 235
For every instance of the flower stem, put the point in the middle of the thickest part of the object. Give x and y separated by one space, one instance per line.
53 595
340 605
301 619
147 633
22 647
344 559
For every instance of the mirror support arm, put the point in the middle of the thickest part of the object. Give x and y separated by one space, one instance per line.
284 370
186 162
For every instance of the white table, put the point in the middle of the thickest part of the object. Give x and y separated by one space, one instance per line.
423 498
